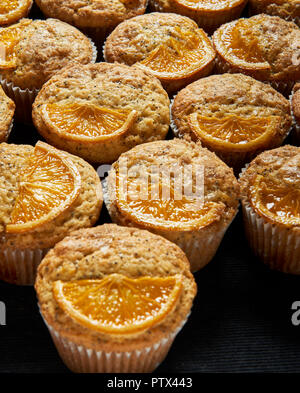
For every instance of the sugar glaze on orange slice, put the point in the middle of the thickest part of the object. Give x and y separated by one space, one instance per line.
49 186
86 121
9 38
209 5
180 56
232 131
237 44
275 200
163 205
13 10
118 304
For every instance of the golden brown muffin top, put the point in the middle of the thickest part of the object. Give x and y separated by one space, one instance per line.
98 252
87 13
45 47
228 94
286 9
83 213
276 41
203 5
281 164
134 39
220 186
113 86
296 102
7 110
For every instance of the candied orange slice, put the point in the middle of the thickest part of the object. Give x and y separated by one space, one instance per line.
83 121
118 304
209 5
237 43
9 38
276 200
162 203
13 10
49 186
180 56
234 132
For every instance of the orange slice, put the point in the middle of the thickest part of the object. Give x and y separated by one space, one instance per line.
9 38
276 201
50 184
13 10
209 5
78 121
161 204
233 132
180 56
237 43
118 304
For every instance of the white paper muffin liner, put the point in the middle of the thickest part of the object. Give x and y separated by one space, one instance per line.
199 248
24 98
103 52
20 266
95 51
277 246
81 359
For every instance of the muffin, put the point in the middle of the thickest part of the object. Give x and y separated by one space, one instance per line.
233 115
264 47
286 9
96 18
170 46
178 190
35 51
7 110
295 104
44 194
99 111
144 283
270 192
208 14
12 11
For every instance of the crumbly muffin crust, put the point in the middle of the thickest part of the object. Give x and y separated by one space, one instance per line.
46 46
227 94
277 41
286 9
133 40
296 103
220 185
282 164
114 86
87 13
84 212
199 241
7 110
97 252
209 16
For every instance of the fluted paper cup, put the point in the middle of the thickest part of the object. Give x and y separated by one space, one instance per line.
20 266
81 359
277 246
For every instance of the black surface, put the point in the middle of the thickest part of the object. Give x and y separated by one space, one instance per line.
240 322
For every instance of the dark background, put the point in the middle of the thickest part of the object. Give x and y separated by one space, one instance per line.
240 322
